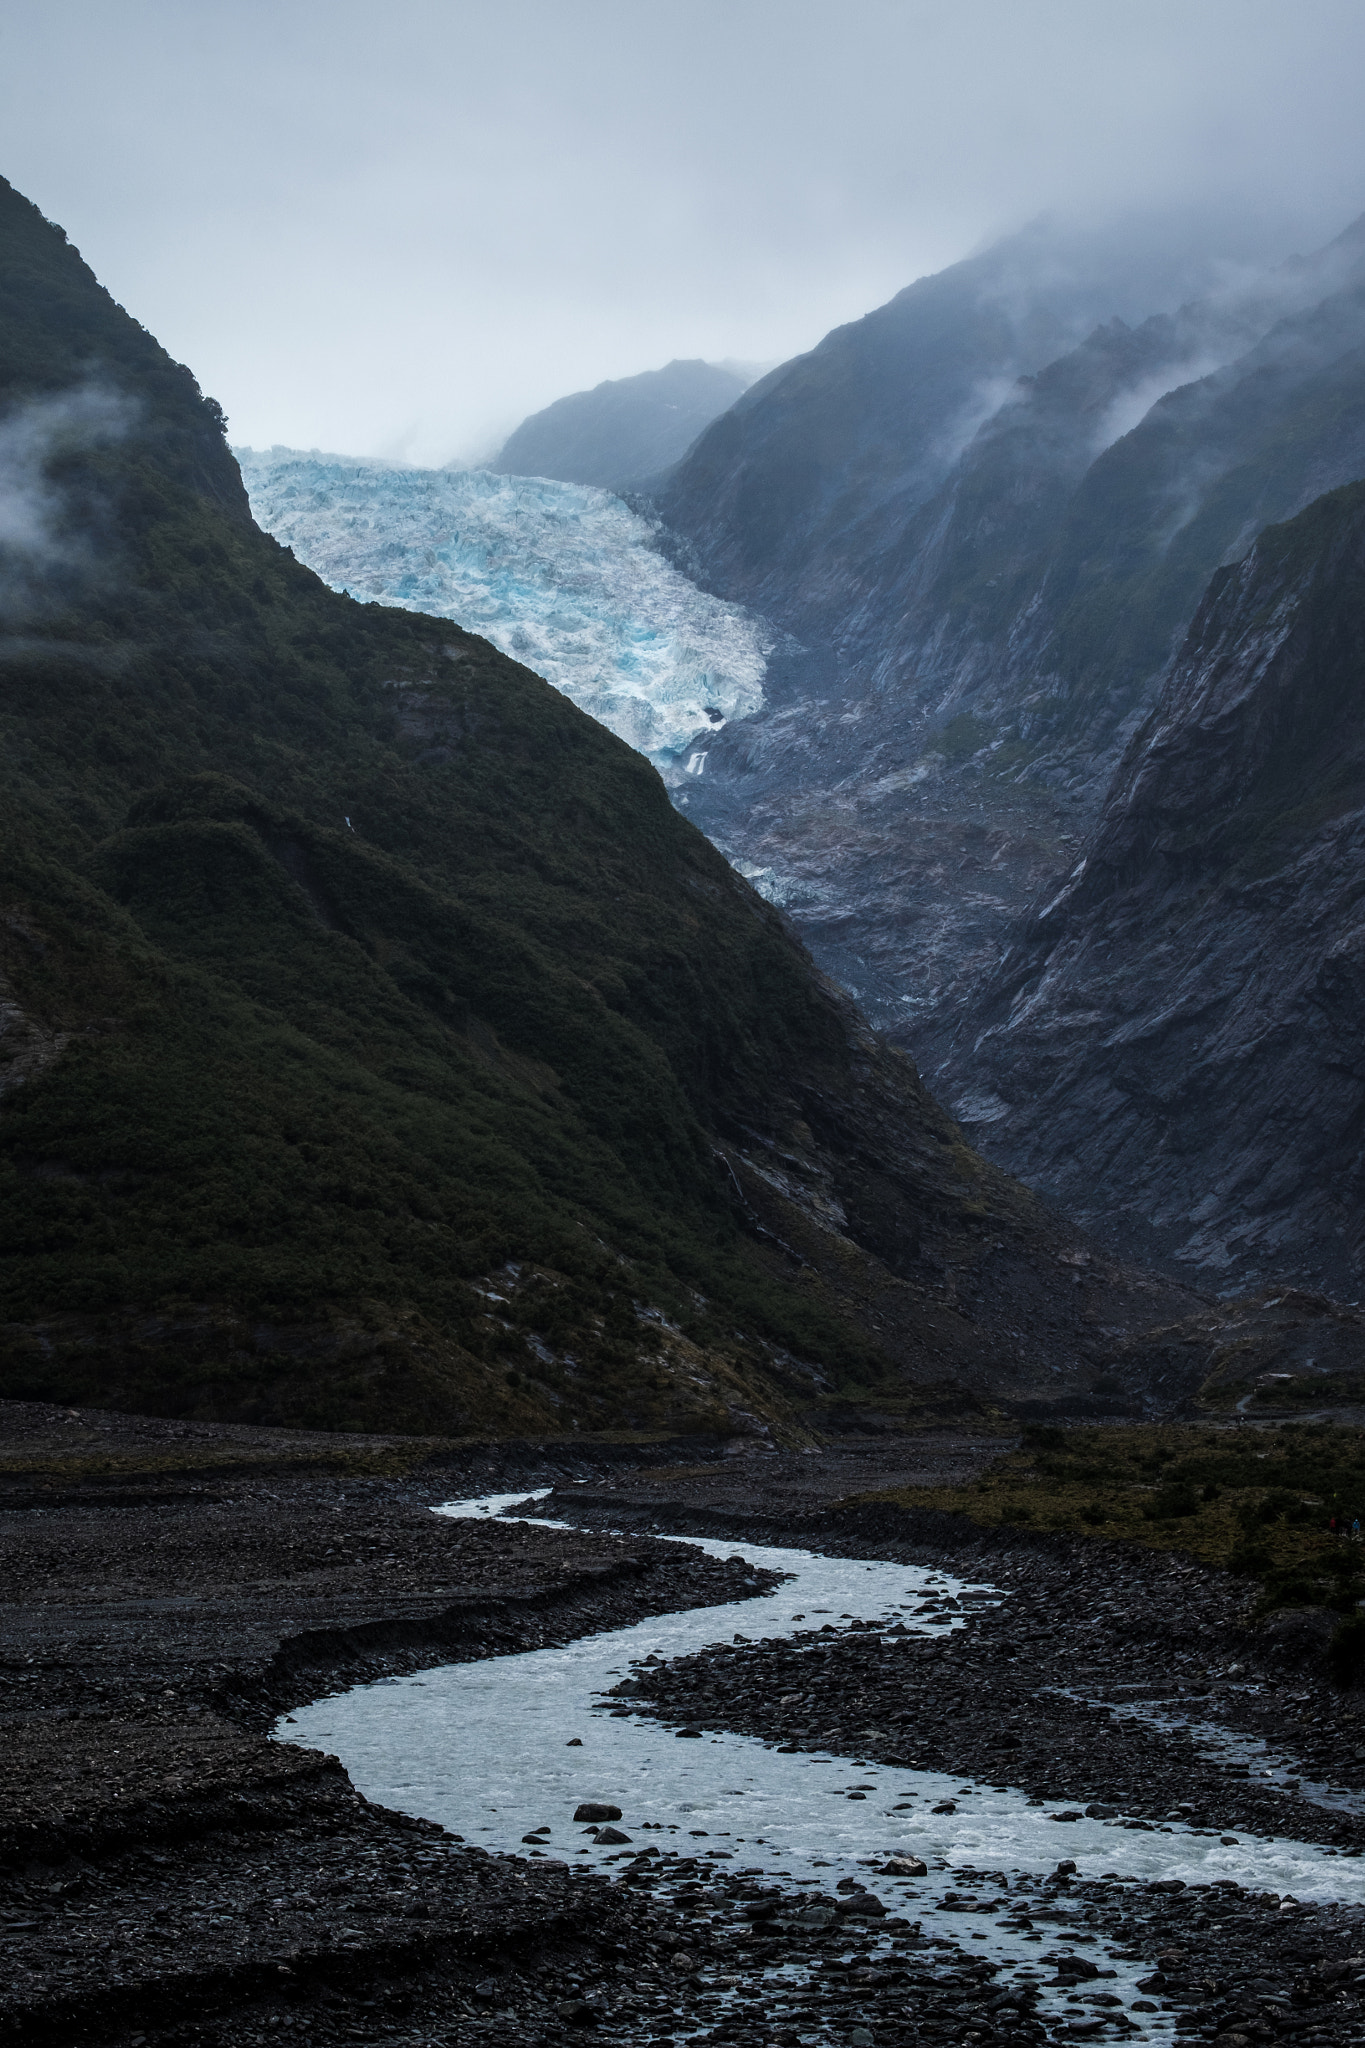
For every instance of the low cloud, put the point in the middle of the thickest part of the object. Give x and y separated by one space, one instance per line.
1132 405
45 550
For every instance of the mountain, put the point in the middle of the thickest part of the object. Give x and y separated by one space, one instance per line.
779 499
623 432
1172 1046
378 1046
987 607
1066 555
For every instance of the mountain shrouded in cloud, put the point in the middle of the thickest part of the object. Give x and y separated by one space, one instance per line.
381 1047
817 497
623 432
988 579
987 617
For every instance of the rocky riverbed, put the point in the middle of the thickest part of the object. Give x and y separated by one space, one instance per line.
168 1876
1099 1675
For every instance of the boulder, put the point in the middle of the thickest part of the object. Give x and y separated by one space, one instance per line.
861 1906
1299 1635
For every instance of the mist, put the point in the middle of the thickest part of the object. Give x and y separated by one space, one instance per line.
399 238
45 551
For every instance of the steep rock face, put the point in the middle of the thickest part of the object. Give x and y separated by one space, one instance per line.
621 432
1044 591
979 654
774 500
1173 1045
378 1044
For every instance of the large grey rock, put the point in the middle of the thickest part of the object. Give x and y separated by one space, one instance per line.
1300 1635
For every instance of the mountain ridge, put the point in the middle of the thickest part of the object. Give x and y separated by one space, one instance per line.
624 431
977 655
1171 1045
381 1047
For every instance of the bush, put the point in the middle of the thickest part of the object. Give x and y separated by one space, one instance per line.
1346 1652
1171 1502
1252 1558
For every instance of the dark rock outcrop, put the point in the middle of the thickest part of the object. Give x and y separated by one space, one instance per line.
1173 1043
987 614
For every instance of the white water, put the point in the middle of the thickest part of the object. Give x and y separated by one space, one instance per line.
564 578
483 1748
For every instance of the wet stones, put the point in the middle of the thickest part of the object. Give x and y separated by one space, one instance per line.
165 1872
1055 1709
813 1916
392 1934
593 1809
861 1906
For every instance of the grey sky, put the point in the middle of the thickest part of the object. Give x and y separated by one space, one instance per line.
396 229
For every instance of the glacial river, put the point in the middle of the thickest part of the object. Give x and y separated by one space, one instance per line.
503 1746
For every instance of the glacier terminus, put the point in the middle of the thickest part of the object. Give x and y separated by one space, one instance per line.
565 578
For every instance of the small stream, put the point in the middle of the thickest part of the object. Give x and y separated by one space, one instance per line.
499 1748
1227 1746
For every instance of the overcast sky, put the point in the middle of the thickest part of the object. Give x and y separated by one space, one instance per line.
395 229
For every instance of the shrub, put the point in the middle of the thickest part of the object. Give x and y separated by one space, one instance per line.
1346 1652
1171 1502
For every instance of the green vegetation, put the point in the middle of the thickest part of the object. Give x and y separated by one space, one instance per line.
1275 1504
378 1019
960 738
386 1459
1308 1390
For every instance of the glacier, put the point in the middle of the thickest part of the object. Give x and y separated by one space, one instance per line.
565 578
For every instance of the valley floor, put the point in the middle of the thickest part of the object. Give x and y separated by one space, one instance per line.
170 1877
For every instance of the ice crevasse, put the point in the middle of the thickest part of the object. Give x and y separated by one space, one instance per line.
566 579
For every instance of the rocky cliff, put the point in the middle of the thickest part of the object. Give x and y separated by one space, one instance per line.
1172 1045
986 613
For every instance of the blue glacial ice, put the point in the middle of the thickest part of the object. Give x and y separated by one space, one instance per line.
566 579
